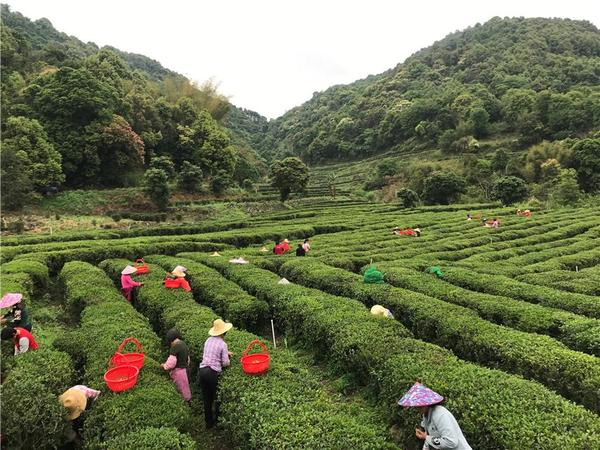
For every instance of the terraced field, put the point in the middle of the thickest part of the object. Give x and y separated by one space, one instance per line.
510 334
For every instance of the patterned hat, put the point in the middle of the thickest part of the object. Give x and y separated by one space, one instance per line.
10 299
420 395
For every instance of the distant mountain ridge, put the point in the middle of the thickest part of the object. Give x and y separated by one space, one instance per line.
537 77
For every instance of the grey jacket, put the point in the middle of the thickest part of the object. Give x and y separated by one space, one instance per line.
442 430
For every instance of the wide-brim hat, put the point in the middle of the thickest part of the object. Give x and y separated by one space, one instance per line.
215 254
286 241
264 249
238 260
10 299
128 270
75 401
179 273
181 268
283 281
420 395
379 310
219 327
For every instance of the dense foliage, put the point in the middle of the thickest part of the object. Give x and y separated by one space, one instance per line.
535 77
96 117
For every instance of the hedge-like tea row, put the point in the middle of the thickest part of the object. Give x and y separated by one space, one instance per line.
56 259
577 332
286 408
120 234
586 281
223 296
573 374
106 320
32 417
502 285
36 270
489 404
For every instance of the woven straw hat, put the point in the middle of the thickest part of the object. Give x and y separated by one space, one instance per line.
219 327
215 254
182 268
178 273
128 270
378 310
75 401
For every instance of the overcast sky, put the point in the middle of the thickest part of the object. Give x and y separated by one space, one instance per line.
271 55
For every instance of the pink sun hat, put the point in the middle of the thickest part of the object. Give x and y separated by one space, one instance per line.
10 299
420 395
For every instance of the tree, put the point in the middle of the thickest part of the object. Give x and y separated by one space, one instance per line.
16 182
157 187
120 150
190 177
500 161
43 161
407 197
220 181
586 160
442 188
289 175
332 179
480 121
509 190
163 163
566 190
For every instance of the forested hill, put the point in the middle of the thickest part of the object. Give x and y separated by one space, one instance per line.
38 41
82 116
538 78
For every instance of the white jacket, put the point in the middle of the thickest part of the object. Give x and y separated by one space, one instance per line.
443 431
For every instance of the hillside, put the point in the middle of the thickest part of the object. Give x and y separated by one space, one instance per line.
538 78
77 115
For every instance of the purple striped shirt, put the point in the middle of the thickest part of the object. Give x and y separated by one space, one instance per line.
215 354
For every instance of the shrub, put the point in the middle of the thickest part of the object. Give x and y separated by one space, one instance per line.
30 400
392 367
162 438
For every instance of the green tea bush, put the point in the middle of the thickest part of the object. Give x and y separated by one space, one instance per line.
223 296
32 417
487 403
286 408
573 374
506 286
151 438
106 319
574 330
37 271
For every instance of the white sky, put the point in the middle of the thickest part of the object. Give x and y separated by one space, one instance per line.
271 55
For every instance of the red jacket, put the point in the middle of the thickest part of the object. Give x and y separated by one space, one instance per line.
279 249
23 333
177 283
285 246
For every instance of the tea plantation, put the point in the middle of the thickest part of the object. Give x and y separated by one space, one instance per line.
510 334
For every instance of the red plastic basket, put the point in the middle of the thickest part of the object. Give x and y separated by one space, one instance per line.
255 363
128 359
121 378
141 266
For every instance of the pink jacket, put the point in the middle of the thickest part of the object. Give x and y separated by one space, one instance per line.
128 283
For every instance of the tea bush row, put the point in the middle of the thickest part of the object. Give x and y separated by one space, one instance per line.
286 408
487 403
573 374
106 319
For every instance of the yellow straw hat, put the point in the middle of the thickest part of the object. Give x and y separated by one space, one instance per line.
75 401
215 254
264 249
219 327
379 310
179 273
